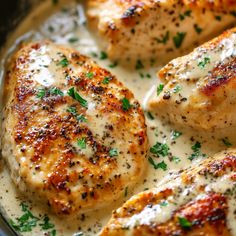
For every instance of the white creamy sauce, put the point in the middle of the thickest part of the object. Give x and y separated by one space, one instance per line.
65 24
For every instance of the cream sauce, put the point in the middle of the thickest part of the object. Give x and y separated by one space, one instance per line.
65 24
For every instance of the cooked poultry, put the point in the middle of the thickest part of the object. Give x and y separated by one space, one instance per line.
73 135
200 88
199 201
152 29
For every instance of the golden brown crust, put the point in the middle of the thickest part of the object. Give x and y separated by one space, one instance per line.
46 128
205 214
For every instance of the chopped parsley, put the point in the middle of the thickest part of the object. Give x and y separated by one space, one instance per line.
160 89
71 92
177 88
175 134
126 191
125 104
202 64
233 13
46 223
150 115
184 223
103 56
163 203
64 62
139 65
113 152
196 151
197 28
56 91
163 39
160 149
82 143
218 18
161 165
226 142
79 234
113 65
73 40
26 222
176 160
186 13
79 117
41 93
106 80
178 39
89 75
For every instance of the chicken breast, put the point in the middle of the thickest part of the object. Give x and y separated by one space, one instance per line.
199 89
156 30
199 201
73 135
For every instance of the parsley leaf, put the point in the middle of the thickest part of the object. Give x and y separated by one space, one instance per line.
56 91
79 117
196 151
176 159
106 80
175 134
125 104
161 165
64 62
126 191
203 63
160 149
186 13
139 65
163 203
46 223
89 75
150 115
160 89
113 152
197 28
103 56
184 223
178 39
113 65
177 88
226 142
71 92
73 39
163 39
41 93
82 143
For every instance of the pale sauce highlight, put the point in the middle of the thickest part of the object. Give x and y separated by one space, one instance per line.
65 24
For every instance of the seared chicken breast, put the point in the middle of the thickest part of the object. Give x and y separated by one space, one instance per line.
199 201
199 89
158 30
73 135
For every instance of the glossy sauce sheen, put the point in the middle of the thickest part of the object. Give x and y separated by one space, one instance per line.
66 25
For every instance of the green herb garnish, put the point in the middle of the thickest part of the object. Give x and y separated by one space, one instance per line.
178 39
71 92
126 191
82 143
41 93
160 89
46 224
113 152
177 89
187 13
79 117
106 80
113 65
125 104
203 63
73 39
139 65
163 39
197 29
160 149
184 223
103 56
26 222
226 142
64 62
150 115
89 75
196 151
175 134
218 18
56 91
163 203
161 165
176 159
